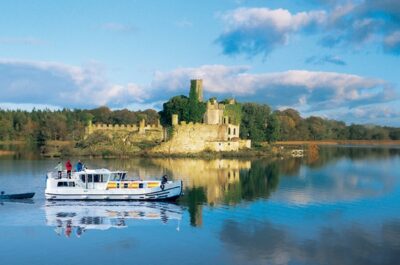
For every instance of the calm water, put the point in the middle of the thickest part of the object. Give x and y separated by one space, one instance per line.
342 207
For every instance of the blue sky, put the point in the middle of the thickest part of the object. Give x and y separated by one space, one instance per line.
336 59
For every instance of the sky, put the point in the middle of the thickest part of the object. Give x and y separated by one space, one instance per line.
335 59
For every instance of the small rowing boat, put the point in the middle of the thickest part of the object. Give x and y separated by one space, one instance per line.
19 196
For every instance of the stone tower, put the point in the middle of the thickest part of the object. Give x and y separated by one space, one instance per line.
196 85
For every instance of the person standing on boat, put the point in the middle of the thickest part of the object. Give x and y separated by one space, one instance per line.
79 166
68 166
59 169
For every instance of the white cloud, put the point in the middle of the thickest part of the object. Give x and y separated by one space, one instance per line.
349 23
27 106
279 19
54 84
392 42
308 89
63 85
259 30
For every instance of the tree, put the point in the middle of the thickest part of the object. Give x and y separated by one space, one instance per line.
273 128
188 109
176 105
254 121
101 115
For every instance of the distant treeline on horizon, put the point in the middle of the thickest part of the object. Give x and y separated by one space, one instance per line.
257 122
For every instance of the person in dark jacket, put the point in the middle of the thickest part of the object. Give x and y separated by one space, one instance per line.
79 166
68 167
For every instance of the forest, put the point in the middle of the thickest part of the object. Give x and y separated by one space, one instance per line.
258 122
63 125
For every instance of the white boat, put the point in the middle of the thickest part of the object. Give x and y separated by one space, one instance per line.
103 184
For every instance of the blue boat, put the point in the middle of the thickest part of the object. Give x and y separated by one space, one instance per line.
19 196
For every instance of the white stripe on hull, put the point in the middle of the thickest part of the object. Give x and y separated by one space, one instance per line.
79 194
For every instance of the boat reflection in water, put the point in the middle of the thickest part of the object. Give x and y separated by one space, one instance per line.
73 217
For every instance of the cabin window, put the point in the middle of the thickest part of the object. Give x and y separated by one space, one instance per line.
90 178
96 178
66 184
125 185
116 177
62 184
90 220
83 178
121 176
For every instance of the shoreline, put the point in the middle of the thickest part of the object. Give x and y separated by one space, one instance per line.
341 142
55 149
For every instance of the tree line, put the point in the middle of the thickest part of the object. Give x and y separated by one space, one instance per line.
257 122
64 125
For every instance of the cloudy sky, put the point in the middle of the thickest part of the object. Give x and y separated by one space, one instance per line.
336 59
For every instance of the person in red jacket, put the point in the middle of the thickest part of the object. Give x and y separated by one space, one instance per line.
68 167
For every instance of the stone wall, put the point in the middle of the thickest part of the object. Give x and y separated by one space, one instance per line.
195 138
191 138
129 133
214 113
244 144
222 146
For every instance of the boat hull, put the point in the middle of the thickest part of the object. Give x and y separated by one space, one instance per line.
20 196
170 192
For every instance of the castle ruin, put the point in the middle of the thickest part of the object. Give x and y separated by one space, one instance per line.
216 133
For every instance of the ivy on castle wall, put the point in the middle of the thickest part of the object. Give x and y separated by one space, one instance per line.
234 112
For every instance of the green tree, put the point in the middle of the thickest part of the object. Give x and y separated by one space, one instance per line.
273 128
254 121
176 105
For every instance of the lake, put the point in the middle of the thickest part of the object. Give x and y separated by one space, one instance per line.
340 207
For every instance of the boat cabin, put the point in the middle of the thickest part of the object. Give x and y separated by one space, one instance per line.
100 179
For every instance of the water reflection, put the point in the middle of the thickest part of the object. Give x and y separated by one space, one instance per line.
70 218
221 181
338 208
267 243
355 153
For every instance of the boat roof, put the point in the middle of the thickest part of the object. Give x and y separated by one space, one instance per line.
100 171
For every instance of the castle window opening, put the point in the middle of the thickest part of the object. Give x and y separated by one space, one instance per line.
229 130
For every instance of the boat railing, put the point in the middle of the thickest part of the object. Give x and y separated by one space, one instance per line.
55 175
